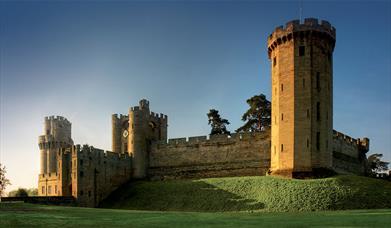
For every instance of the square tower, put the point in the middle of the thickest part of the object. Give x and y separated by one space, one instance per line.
302 105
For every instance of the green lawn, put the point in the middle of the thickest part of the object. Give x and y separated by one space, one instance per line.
253 194
28 215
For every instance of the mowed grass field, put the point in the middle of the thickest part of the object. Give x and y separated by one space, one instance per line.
253 194
29 215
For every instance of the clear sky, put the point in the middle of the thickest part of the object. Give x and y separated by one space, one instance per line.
87 60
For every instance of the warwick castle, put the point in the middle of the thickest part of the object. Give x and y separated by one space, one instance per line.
301 138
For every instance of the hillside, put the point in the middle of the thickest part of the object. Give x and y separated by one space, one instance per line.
253 194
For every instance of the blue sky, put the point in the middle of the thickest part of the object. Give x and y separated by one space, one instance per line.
86 60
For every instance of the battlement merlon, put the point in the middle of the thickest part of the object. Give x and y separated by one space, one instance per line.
361 143
57 118
281 34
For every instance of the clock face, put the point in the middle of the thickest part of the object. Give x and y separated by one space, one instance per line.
125 134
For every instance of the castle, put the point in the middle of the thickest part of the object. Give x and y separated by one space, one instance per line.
301 139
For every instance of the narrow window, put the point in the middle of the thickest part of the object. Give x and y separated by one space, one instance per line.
282 87
308 113
301 51
81 192
81 174
327 144
275 120
318 80
43 189
318 111
275 91
81 162
303 83
318 140
55 189
327 115
274 149
308 143
89 193
126 147
274 61
282 116
50 190
282 147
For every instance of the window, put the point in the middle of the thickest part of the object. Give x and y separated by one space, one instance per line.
282 147
50 190
301 51
308 113
318 111
318 80
81 162
81 192
48 132
282 87
43 189
89 193
274 61
274 149
318 140
81 174
275 119
282 116
55 189
308 143
327 144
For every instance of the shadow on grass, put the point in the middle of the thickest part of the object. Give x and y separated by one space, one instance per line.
177 196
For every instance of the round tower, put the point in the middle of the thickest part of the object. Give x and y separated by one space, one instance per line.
138 138
302 107
57 134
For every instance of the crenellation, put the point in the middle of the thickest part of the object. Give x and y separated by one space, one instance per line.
141 149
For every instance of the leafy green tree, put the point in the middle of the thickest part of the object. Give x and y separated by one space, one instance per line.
217 123
20 192
257 117
376 165
3 180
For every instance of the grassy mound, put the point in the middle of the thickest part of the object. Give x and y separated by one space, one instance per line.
253 194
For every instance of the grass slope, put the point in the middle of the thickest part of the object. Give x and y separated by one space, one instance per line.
253 194
27 215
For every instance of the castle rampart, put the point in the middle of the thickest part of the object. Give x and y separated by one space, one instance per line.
221 155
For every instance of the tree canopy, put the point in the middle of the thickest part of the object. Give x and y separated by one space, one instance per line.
257 117
376 165
217 123
3 179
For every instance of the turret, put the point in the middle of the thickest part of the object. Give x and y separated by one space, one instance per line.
302 101
57 134
144 127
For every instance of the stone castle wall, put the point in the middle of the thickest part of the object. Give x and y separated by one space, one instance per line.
349 154
240 154
97 173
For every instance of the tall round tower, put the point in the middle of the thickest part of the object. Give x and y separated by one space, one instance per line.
57 134
302 96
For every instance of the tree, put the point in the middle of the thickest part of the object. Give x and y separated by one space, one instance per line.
376 165
218 124
22 192
257 117
3 180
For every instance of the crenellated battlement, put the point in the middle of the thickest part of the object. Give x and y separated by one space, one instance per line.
58 119
295 29
361 143
94 153
194 140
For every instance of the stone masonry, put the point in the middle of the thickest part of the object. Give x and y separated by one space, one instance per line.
301 138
